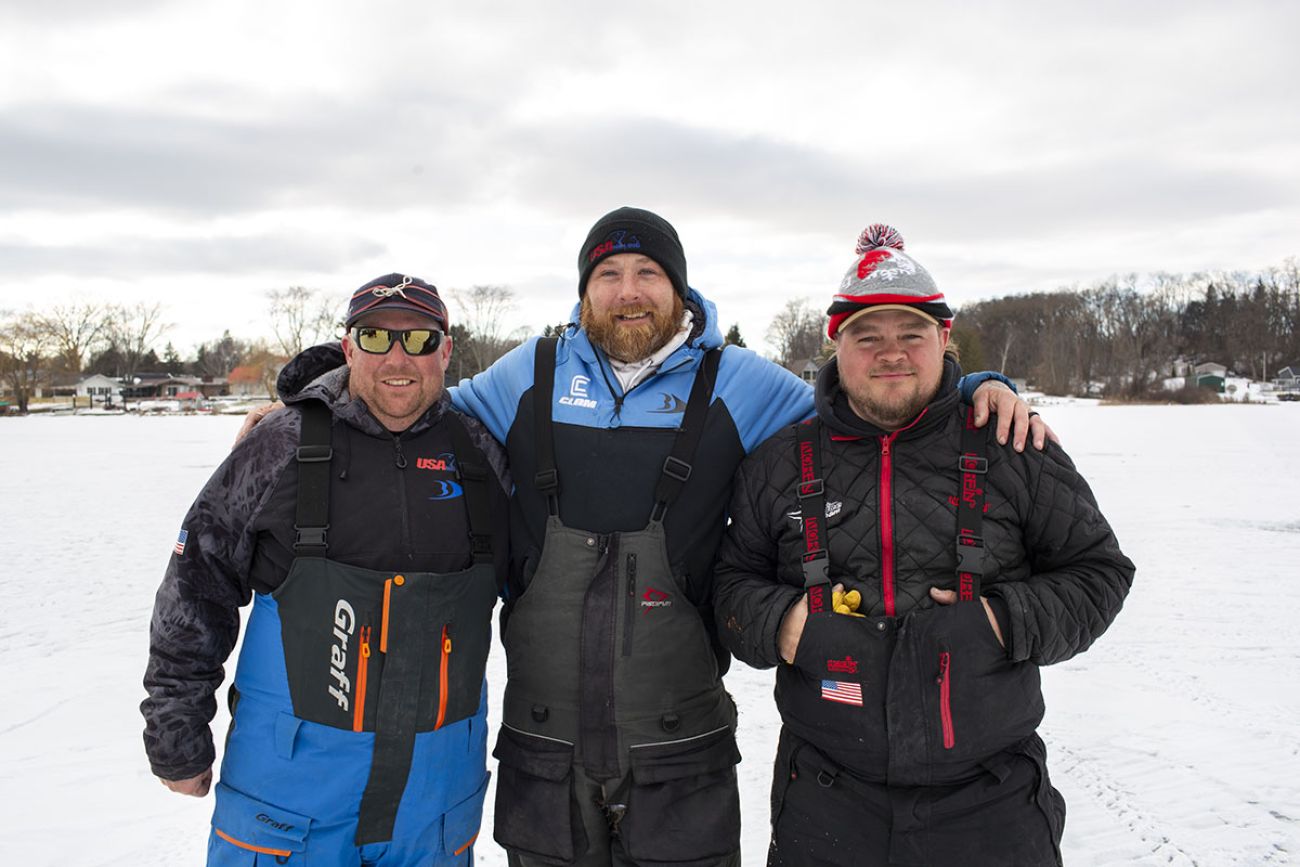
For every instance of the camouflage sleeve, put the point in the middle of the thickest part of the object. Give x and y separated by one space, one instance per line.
196 612
492 450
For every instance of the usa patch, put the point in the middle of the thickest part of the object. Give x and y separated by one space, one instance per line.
180 542
843 692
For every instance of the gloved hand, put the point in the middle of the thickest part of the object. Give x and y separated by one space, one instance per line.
846 602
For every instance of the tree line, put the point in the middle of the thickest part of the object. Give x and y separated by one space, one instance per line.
1119 336
64 343
1123 336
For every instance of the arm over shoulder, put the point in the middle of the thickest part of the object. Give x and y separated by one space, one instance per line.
493 396
761 396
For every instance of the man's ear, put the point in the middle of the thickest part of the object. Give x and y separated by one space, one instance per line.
945 334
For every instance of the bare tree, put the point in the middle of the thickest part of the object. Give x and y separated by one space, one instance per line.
300 317
798 332
24 341
132 332
217 358
75 330
483 310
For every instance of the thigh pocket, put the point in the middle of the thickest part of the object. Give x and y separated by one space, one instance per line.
460 824
244 827
683 804
535 803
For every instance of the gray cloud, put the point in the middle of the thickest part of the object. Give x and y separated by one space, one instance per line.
370 154
226 256
797 188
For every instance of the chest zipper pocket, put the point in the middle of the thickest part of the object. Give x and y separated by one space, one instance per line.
944 681
444 663
629 606
363 665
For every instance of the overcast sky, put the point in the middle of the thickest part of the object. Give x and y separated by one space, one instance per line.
204 153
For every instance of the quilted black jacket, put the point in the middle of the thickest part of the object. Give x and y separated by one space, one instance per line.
1053 571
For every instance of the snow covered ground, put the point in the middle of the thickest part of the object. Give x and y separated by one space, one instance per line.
1176 740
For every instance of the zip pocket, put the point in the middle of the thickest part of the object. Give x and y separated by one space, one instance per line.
443 664
629 607
363 663
945 699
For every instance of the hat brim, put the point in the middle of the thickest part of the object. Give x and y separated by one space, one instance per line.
876 308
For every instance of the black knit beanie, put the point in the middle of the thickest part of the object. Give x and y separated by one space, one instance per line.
632 230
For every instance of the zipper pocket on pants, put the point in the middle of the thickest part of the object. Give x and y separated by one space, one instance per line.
363 663
945 699
443 662
629 606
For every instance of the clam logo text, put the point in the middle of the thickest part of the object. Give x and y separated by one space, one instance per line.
577 395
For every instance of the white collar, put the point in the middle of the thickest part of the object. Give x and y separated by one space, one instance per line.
630 373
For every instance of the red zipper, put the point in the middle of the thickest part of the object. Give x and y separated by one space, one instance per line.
887 515
887 524
359 707
442 679
945 700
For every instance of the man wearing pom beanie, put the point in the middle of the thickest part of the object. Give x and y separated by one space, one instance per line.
617 744
908 577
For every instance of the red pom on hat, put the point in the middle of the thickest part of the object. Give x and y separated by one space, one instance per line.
879 235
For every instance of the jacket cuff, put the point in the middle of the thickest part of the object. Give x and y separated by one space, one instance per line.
972 381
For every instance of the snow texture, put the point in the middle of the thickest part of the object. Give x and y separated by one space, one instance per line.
1175 740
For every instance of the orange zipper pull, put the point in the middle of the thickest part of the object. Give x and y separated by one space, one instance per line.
442 678
359 707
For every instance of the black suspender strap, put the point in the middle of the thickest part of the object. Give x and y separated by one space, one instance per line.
475 476
547 480
314 453
677 466
812 506
973 466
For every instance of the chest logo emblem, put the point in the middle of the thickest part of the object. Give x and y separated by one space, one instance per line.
577 395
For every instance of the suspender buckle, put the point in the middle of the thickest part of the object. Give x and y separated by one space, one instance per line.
973 464
677 469
480 545
547 481
816 568
310 537
314 454
970 554
811 488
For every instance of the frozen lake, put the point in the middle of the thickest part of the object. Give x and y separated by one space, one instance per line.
1175 740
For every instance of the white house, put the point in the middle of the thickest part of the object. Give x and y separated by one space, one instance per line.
98 388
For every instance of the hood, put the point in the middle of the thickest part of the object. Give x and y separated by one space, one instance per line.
834 411
321 373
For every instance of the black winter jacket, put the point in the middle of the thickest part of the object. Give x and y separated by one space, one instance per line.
240 536
938 694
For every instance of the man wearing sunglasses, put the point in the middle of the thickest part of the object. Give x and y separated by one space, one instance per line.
368 524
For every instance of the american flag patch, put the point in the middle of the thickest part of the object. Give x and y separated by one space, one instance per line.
185 534
842 691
